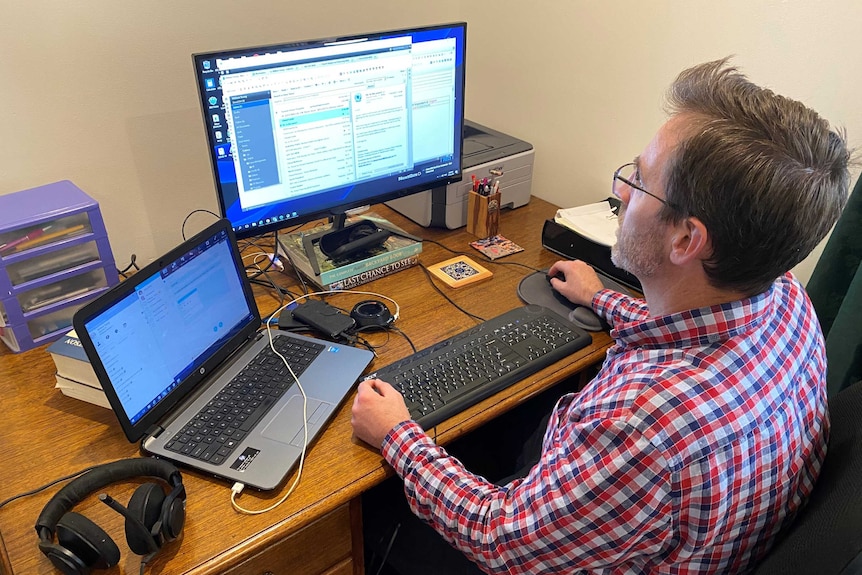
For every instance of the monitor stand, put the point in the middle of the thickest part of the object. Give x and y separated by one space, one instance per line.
342 240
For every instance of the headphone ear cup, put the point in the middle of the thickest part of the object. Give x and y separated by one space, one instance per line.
361 231
87 541
145 504
67 562
175 517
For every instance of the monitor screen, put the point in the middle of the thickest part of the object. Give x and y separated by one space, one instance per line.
309 129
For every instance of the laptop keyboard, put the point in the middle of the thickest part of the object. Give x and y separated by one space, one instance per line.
214 433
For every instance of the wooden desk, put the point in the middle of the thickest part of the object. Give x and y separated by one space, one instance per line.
46 435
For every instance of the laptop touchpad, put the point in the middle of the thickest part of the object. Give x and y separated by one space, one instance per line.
286 425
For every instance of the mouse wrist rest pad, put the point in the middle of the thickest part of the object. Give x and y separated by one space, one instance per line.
535 289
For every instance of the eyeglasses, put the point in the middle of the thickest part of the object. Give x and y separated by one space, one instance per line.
631 184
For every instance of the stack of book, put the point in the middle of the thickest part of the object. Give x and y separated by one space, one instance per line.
75 376
395 254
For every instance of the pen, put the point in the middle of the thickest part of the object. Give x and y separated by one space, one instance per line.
496 187
31 235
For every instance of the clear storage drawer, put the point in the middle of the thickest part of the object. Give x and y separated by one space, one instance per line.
52 262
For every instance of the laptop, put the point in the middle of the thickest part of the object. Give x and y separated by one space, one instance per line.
181 357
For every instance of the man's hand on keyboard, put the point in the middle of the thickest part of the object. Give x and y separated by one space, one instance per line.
378 408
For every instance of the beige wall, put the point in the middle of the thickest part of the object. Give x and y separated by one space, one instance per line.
102 92
581 80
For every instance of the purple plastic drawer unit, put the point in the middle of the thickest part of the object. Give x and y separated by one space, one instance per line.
54 258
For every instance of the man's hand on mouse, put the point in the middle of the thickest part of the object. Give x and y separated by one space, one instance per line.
581 281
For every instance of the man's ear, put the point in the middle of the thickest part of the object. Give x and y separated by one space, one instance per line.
690 242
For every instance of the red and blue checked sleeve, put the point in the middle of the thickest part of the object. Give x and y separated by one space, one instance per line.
599 496
618 308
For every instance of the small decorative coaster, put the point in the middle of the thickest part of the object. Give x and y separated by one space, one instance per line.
459 271
496 247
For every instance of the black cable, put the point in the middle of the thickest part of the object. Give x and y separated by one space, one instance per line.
531 268
388 549
270 262
247 244
296 271
461 309
146 559
261 271
282 292
404 335
445 247
132 264
380 328
253 275
191 213
47 485
277 289
365 343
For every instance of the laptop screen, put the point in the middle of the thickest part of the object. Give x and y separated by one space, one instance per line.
171 323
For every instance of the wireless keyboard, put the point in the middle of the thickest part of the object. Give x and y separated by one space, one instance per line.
448 377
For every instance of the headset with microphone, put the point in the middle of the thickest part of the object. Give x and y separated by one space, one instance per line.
153 518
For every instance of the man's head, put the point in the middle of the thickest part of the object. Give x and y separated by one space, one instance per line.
764 174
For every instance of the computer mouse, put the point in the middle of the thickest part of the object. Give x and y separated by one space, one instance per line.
586 319
559 275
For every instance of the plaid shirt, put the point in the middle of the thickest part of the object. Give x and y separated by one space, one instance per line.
701 436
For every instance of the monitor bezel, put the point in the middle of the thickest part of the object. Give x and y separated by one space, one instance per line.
330 210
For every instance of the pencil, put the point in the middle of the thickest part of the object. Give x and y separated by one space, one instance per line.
43 238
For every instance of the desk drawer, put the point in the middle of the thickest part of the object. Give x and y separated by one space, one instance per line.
322 547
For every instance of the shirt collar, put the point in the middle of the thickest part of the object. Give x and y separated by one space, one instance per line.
696 327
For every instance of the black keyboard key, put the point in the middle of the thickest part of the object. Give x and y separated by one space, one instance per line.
257 414
214 433
448 377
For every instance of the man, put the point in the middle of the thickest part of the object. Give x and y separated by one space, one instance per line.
705 430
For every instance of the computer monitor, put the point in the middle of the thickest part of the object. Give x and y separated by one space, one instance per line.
311 129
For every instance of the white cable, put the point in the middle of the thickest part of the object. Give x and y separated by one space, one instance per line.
238 487
258 256
236 491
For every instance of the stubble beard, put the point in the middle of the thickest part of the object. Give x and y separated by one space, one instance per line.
636 251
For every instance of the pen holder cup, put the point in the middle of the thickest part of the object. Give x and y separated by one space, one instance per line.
483 214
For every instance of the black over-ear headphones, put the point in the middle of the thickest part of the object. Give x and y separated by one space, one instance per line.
371 313
152 518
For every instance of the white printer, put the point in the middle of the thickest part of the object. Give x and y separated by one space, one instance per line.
486 154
